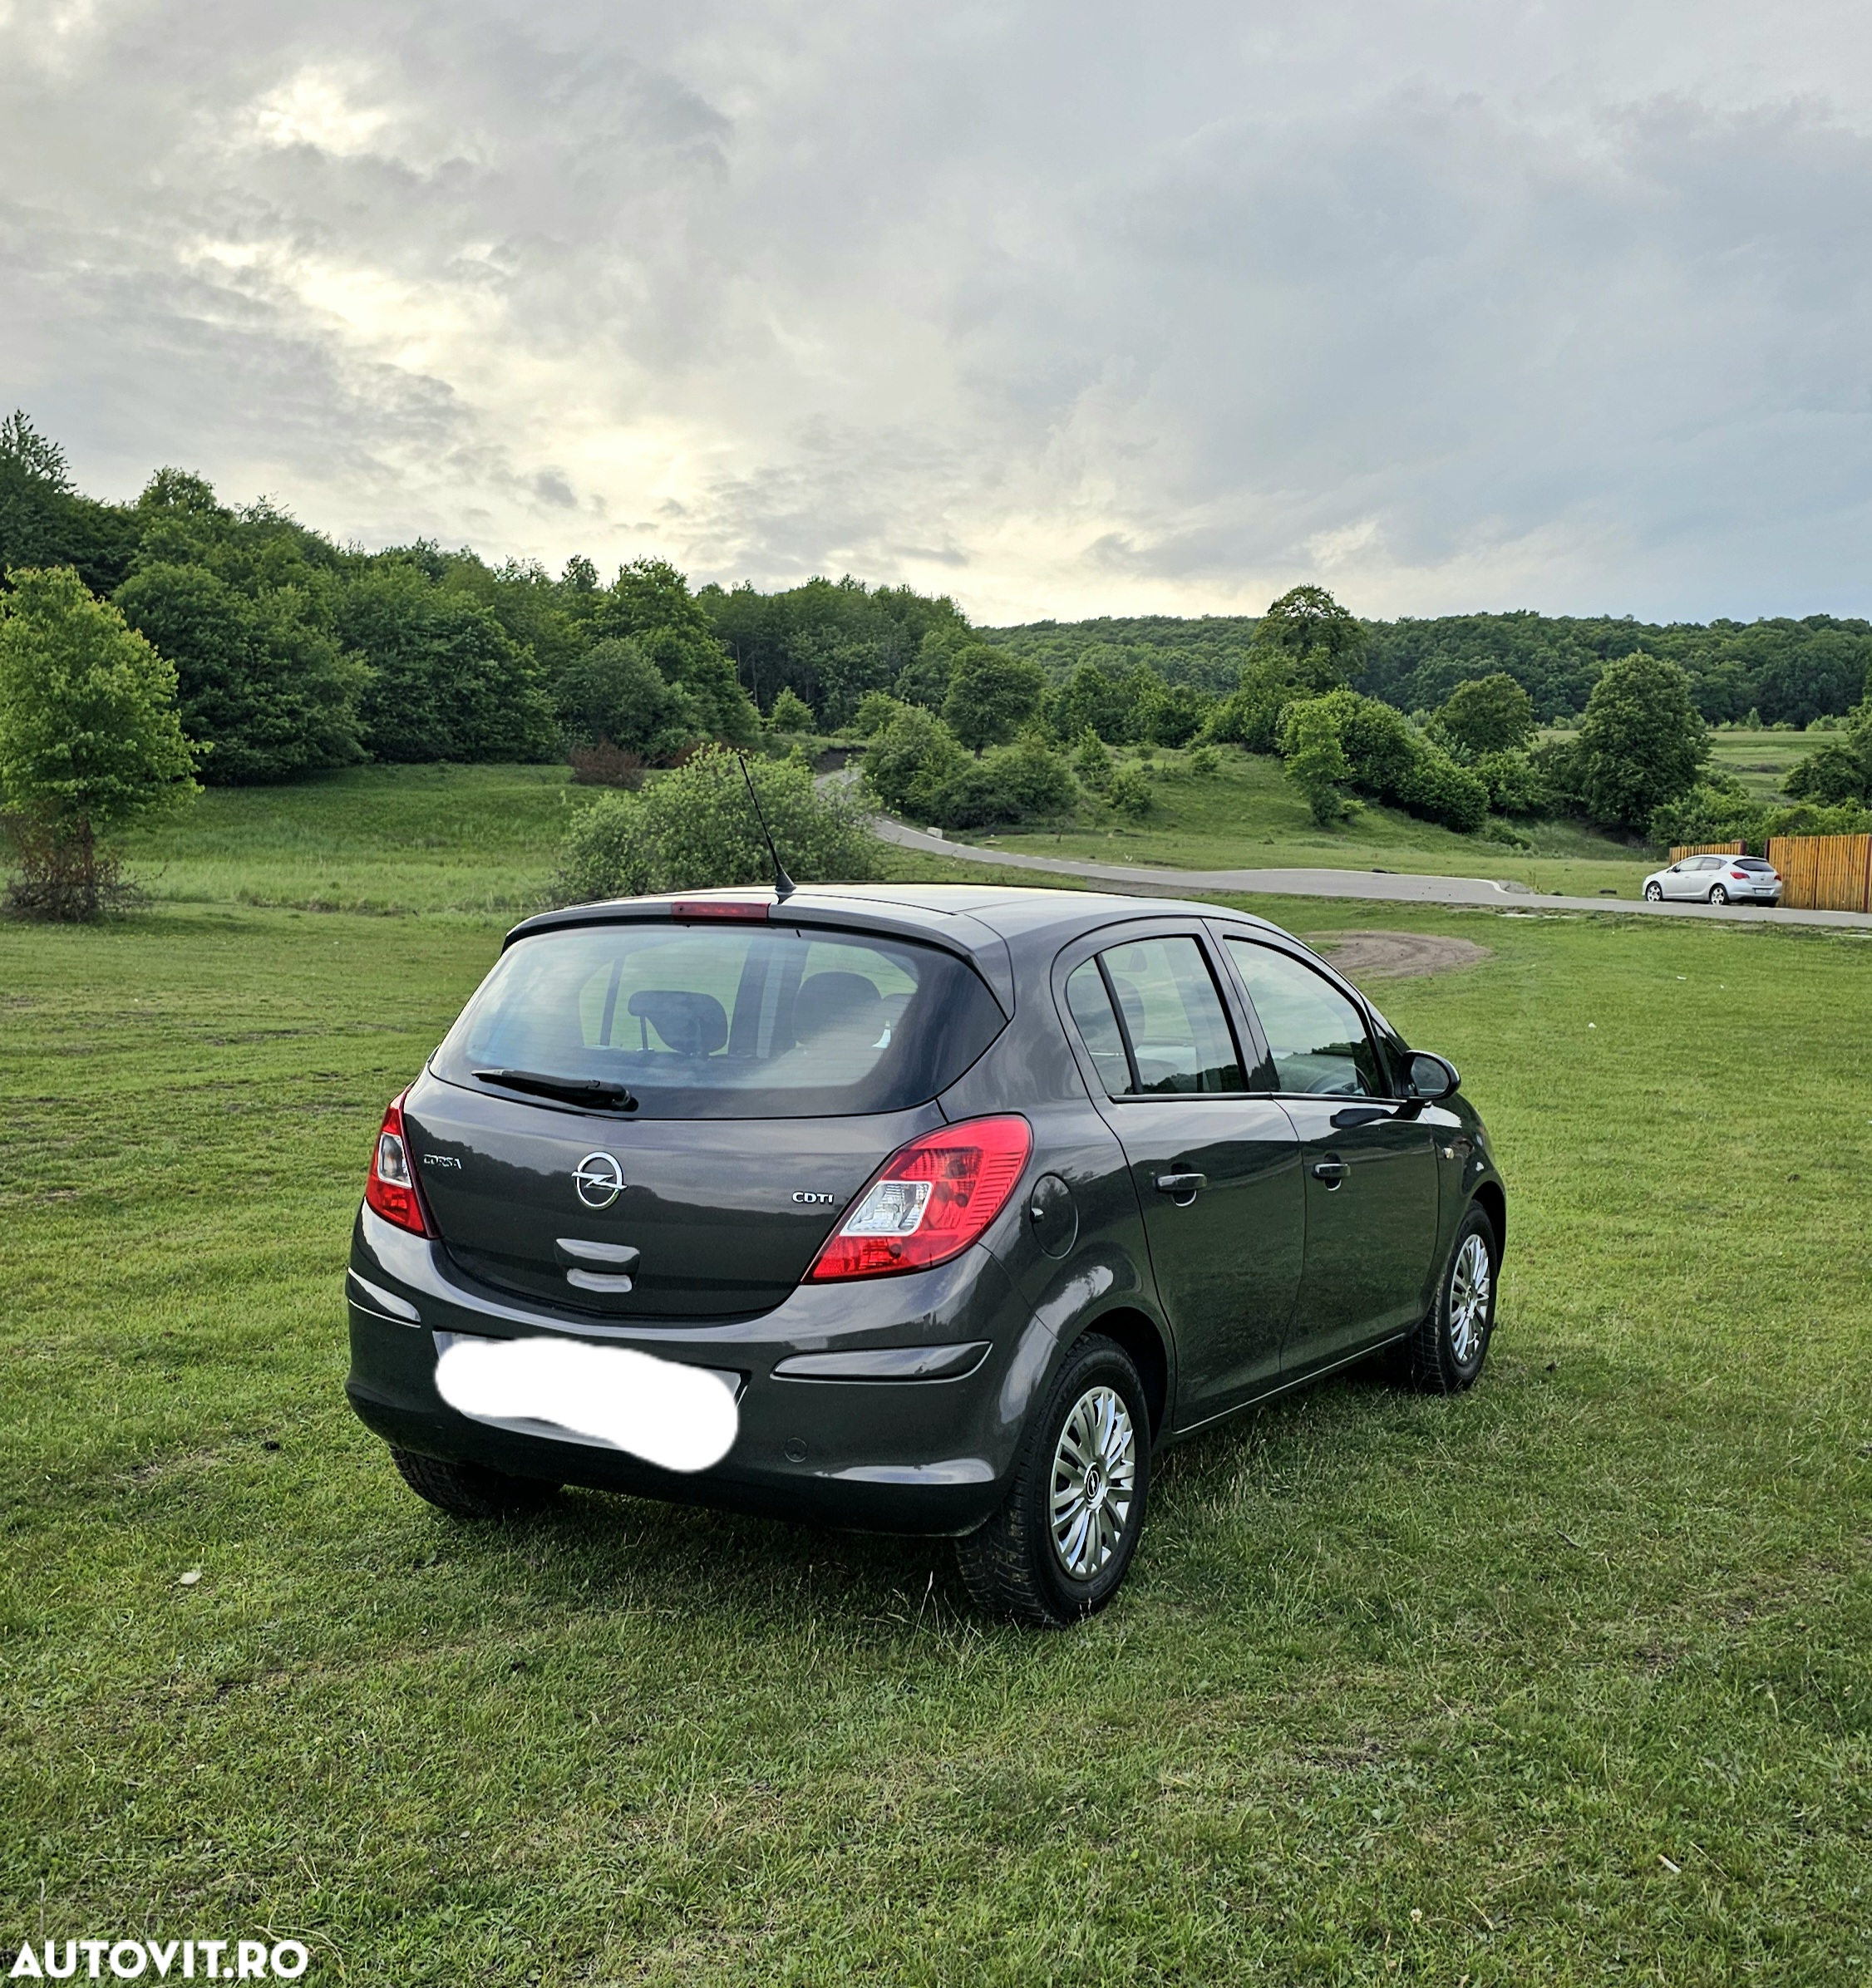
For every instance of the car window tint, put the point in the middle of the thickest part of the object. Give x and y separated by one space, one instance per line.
1098 1027
728 1021
1316 1037
1173 1017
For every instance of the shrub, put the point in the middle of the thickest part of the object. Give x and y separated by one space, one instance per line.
1129 794
1317 762
1513 786
911 762
1092 761
1205 762
606 765
1841 771
694 829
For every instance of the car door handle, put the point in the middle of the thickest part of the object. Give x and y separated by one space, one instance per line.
1182 1187
1331 1172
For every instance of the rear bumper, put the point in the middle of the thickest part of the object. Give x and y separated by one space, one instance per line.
910 1456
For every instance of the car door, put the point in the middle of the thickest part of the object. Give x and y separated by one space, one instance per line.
1217 1170
1687 879
1369 1160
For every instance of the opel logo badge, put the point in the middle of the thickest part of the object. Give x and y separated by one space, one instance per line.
598 1179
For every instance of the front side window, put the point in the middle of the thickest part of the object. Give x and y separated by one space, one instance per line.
1149 1014
1316 1038
726 1022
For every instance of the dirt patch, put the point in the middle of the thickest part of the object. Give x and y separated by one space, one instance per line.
1363 956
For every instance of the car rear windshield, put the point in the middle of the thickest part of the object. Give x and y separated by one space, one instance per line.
1753 863
727 1021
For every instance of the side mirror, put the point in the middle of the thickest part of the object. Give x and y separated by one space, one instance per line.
1432 1079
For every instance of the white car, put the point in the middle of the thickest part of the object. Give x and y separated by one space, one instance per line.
1716 880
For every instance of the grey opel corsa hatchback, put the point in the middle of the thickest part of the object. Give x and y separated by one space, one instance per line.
930 1209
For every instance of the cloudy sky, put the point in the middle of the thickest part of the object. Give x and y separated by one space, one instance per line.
1062 309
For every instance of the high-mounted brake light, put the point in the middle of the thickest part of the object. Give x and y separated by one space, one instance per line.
390 1187
719 907
928 1201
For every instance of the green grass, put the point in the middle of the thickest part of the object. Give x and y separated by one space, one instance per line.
1249 815
1762 759
1401 1689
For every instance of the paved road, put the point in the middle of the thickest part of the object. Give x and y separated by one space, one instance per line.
1385 885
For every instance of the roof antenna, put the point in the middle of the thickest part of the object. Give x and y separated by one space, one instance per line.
784 885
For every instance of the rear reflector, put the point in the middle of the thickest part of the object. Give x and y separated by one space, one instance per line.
390 1187
717 907
928 1201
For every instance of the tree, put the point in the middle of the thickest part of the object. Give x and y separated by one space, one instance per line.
790 714
991 695
1309 627
614 692
1641 742
695 828
1489 713
264 688
1841 771
449 682
89 738
651 601
43 520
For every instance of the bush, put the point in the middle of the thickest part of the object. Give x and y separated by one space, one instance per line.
606 765
695 828
1317 762
1384 755
1513 786
1205 762
1129 794
1841 771
916 767
912 762
1092 761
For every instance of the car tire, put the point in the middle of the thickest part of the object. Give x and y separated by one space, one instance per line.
1654 894
1718 895
471 1490
1446 1354
1019 1567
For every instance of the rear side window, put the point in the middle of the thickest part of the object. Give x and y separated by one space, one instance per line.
1316 1037
724 1021
1150 1015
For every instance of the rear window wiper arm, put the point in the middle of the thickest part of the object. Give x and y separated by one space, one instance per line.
574 1090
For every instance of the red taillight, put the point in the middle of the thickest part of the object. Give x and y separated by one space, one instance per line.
719 907
390 1188
1741 876
928 1201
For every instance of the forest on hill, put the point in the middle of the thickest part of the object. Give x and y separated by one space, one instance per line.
1786 671
295 652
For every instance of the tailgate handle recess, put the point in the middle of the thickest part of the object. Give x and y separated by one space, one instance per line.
618 1256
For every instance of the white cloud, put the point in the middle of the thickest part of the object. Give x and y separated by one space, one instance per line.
1064 309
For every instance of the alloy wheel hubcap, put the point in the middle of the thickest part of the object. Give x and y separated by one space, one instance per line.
1469 1301
1094 1482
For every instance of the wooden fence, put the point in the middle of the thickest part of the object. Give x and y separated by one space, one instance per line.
1708 849
1824 872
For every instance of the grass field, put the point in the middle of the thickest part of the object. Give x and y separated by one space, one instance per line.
1249 814
1761 760
1567 1680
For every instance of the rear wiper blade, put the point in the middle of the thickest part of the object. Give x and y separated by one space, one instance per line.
574 1091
